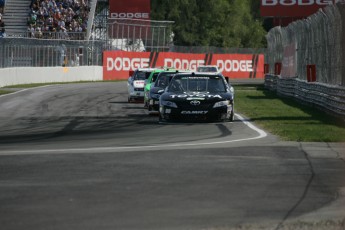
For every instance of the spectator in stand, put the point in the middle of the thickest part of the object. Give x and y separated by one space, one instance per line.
31 31
38 33
54 16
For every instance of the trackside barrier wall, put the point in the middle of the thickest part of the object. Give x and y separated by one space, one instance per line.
27 75
330 98
319 41
118 64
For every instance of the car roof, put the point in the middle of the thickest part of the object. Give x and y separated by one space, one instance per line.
200 73
208 66
146 69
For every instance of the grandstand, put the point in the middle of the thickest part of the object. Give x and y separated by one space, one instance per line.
25 45
38 18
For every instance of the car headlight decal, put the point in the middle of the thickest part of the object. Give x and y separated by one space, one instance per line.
169 104
154 96
221 103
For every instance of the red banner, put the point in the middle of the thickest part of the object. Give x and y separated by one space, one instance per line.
130 9
118 64
240 65
292 8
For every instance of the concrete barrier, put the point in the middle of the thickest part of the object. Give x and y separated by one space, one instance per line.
28 75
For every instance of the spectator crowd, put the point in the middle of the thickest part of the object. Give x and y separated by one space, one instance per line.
65 19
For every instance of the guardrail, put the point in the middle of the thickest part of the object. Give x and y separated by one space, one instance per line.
330 98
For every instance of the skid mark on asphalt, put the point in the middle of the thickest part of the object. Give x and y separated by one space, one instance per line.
261 134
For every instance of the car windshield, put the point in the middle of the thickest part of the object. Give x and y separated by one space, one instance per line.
154 77
163 80
207 69
186 84
142 75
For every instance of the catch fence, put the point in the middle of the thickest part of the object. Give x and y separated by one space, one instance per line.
139 35
53 49
28 52
319 41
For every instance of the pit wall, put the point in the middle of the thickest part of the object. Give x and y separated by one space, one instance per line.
28 75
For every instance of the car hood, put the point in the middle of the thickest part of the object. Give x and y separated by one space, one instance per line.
207 97
155 90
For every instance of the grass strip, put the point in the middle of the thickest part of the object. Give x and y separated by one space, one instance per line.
287 118
2 92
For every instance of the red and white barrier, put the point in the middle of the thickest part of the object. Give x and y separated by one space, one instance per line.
118 64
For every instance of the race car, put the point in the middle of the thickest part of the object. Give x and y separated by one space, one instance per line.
208 68
150 81
136 83
158 88
197 96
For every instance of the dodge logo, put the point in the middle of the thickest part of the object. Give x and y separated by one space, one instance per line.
195 102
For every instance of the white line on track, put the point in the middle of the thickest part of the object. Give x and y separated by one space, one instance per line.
261 134
23 90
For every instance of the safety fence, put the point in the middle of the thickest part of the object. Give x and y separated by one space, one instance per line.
30 52
138 35
318 47
327 97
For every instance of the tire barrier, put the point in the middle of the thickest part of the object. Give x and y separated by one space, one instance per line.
330 98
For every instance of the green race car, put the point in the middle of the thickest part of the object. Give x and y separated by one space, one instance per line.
150 82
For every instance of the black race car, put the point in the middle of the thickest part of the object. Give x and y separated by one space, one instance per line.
162 81
197 96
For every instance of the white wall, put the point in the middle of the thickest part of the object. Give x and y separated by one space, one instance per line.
27 75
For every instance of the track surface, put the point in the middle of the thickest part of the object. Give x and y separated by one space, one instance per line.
81 157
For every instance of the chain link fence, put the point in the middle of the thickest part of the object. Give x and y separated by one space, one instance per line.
320 41
139 35
128 35
26 52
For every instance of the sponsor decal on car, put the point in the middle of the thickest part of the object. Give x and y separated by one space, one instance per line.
196 96
194 112
195 103
139 84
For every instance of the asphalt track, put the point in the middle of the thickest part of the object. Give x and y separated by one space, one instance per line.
79 156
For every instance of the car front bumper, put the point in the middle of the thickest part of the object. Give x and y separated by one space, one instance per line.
220 113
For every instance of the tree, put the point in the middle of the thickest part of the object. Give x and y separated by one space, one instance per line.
220 23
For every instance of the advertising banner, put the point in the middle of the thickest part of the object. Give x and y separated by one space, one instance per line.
240 65
130 9
125 16
292 8
118 64
181 60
